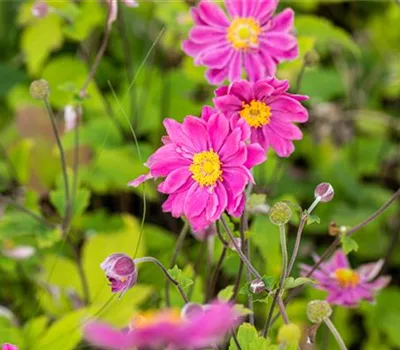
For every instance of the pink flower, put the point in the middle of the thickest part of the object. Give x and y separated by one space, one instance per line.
267 108
167 328
121 271
250 38
207 232
7 346
206 165
345 286
113 8
40 9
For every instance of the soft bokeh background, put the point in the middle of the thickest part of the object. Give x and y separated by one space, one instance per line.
351 141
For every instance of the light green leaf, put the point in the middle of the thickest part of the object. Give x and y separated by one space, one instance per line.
38 41
249 339
291 283
81 202
269 281
34 328
312 218
180 276
20 158
348 244
226 293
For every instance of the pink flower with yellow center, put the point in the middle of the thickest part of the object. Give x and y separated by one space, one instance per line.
206 163
268 109
201 327
345 286
248 37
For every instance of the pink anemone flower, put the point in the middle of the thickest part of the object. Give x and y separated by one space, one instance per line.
268 109
7 346
250 37
170 329
345 286
206 164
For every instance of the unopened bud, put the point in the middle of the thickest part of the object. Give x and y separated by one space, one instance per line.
324 191
121 271
289 334
191 310
257 286
280 213
40 9
311 58
39 89
318 310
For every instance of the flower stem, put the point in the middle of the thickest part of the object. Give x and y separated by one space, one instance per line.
335 333
277 296
215 273
178 247
166 273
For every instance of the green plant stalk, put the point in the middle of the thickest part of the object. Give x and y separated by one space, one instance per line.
166 273
335 333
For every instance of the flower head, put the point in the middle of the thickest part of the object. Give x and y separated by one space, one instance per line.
280 213
347 287
121 271
206 163
318 310
248 37
39 89
268 109
167 328
324 191
7 346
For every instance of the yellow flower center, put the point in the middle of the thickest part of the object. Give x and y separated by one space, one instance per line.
243 33
206 168
256 113
149 318
347 277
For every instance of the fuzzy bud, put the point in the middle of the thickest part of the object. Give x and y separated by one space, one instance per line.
39 89
40 9
324 191
318 310
191 310
280 213
7 346
257 286
289 334
121 271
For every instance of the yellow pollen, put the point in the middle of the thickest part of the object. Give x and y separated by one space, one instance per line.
256 113
123 279
148 318
347 277
206 168
243 33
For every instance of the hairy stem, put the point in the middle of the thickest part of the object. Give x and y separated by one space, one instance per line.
166 273
335 333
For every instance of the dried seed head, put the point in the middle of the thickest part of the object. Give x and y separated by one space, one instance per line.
280 213
318 310
39 89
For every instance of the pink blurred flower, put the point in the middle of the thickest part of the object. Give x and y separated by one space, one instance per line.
345 286
206 165
40 9
121 271
268 109
7 346
20 252
250 38
113 8
70 117
167 328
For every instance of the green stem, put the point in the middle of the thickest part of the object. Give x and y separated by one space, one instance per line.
335 333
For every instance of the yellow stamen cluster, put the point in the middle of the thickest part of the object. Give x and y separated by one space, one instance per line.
206 168
347 277
243 33
149 318
256 113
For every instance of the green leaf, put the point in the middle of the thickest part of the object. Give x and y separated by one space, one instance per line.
34 328
348 244
269 281
20 158
180 276
255 200
291 283
312 218
37 50
226 293
249 339
81 202
242 310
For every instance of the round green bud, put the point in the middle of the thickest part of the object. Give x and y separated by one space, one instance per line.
280 213
318 310
289 334
39 89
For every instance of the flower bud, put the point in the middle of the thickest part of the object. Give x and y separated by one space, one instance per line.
318 310
7 346
280 213
289 334
324 191
39 89
257 286
40 9
121 271
191 310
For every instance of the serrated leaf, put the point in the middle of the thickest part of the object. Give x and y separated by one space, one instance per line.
348 244
269 281
291 282
226 293
180 276
312 219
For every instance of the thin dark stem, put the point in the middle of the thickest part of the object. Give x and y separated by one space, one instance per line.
178 247
216 271
236 341
11 168
81 273
197 267
67 214
237 282
300 77
166 273
26 211
335 333
75 167
303 220
221 238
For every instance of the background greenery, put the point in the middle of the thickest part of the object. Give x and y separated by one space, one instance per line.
351 141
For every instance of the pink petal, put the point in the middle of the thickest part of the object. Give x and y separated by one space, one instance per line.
269 62
105 336
212 14
140 180
216 76
283 22
238 158
286 130
369 271
217 58
254 66
175 180
284 106
205 35
228 104
262 90
266 10
234 7
282 146
339 260
255 155
218 129
235 66
257 136
243 90
231 145
279 42
196 200
175 204
193 49
379 283
195 130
